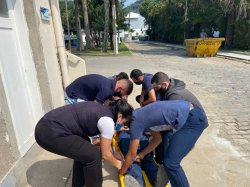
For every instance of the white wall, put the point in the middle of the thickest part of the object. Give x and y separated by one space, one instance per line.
50 53
19 76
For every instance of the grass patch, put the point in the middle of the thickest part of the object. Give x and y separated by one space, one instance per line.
122 51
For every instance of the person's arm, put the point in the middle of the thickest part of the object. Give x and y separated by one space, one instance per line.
130 157
151 98
107 153
156 140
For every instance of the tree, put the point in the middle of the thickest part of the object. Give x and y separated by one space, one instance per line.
106 26
71 14
86 23
80 47
234 10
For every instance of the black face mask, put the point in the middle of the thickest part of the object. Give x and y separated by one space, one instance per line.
161 91
117 94
138 83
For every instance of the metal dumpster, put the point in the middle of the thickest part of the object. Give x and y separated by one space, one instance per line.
203 47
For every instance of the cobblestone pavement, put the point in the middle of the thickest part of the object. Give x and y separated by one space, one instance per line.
223 88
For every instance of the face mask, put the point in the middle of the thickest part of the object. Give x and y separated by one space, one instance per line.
161 91
117 94
118 126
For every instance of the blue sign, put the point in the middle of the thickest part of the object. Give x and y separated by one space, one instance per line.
44 13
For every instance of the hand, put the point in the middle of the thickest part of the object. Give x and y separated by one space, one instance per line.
141 104
139 157
119 165
96 141
121 172
141 100
124 128
118 156
116 98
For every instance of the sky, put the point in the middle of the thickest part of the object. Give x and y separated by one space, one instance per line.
128 2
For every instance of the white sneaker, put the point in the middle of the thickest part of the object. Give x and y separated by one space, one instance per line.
130 181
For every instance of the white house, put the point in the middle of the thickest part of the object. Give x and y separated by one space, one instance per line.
137 23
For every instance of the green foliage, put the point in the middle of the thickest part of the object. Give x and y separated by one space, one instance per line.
95 12
166 19
71 16
123 51
241 29
96 15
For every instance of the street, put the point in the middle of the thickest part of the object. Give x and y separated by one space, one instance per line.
221 156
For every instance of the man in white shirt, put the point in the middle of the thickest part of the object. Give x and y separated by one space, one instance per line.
216 33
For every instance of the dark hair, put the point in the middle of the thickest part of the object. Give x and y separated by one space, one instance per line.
122 75
123 107
130 86
135 73
159 78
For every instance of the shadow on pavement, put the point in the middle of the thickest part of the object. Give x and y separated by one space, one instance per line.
49 173
109 173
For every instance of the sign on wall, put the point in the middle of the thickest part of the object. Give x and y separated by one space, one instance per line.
44 13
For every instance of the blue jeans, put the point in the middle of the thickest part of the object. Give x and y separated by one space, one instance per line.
69 100
181 143
147 164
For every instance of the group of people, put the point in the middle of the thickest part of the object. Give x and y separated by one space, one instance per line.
215 33
168 123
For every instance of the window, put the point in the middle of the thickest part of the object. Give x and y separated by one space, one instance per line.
3 9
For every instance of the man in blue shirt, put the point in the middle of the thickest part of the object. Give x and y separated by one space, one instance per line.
147 94
170 89
186 120
94 87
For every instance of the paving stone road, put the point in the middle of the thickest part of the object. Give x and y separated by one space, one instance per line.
222 86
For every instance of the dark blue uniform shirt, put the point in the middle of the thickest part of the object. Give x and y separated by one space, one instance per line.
91 87
146 85
78 119
159 116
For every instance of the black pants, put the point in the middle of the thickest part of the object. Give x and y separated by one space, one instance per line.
87 169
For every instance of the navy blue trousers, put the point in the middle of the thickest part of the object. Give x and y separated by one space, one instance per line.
181 143
147 164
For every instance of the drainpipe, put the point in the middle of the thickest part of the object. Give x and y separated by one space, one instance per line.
55 14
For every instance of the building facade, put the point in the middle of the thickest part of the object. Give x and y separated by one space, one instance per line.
136 24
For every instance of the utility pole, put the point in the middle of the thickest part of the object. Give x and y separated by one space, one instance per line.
114 28
67 18
129 24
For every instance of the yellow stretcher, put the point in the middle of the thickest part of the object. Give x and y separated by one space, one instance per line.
203 47
121 177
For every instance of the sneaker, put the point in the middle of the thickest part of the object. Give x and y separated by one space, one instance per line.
130 181
161 177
